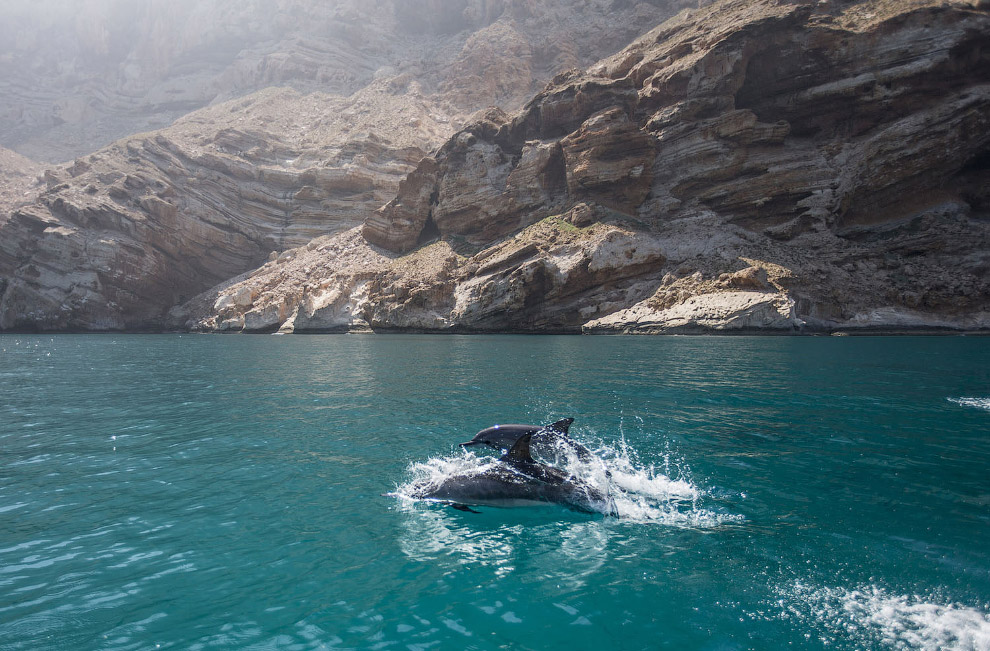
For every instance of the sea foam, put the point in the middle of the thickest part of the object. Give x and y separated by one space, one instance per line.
649 493
872 617
979 403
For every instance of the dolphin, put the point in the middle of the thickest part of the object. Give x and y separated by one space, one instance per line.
554 435
517 479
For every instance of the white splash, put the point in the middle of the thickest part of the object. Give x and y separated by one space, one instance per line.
979 403
432 472
874 618
642 493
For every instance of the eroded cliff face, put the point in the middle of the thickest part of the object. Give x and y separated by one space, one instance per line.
754 165
76 76
19 176
550 277
119 237
116 238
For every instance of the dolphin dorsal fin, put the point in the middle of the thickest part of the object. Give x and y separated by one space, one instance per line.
561 425
520 450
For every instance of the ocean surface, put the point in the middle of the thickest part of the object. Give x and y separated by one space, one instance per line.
251 492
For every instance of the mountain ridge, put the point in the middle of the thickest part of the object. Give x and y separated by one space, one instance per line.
697 181
747 166
117 237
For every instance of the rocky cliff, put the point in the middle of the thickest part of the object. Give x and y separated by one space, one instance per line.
18 178
756 165
76 76
116 238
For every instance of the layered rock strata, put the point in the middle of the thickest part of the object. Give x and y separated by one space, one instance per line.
550 277
788 166
119 237
116 238
76 76
19 176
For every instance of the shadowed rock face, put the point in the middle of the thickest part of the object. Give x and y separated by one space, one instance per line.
753 165
116 238
764 113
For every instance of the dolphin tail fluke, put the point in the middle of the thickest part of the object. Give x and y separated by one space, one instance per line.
562 425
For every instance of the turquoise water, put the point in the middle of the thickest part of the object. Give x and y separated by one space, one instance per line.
198 492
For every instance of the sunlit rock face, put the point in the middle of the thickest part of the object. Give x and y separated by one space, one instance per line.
549 277
19 176
116 237
790 167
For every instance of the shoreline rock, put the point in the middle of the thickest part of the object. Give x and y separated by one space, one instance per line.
747 166
300 134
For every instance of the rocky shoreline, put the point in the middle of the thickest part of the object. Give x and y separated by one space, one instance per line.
751 166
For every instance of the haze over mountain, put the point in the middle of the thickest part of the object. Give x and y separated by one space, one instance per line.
76 75
753 165
334 103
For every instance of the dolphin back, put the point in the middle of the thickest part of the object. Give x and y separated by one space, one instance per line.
503 437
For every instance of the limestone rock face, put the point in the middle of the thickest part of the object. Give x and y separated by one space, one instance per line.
609 160
731 311
119 237
494 68
502 173
18 177
76 76
819 164
550 276
751 165
401 223
115 238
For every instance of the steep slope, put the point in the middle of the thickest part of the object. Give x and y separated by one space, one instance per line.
754 165
122 235
118 237
18 176
76 76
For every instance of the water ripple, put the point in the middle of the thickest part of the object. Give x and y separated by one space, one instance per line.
204 492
